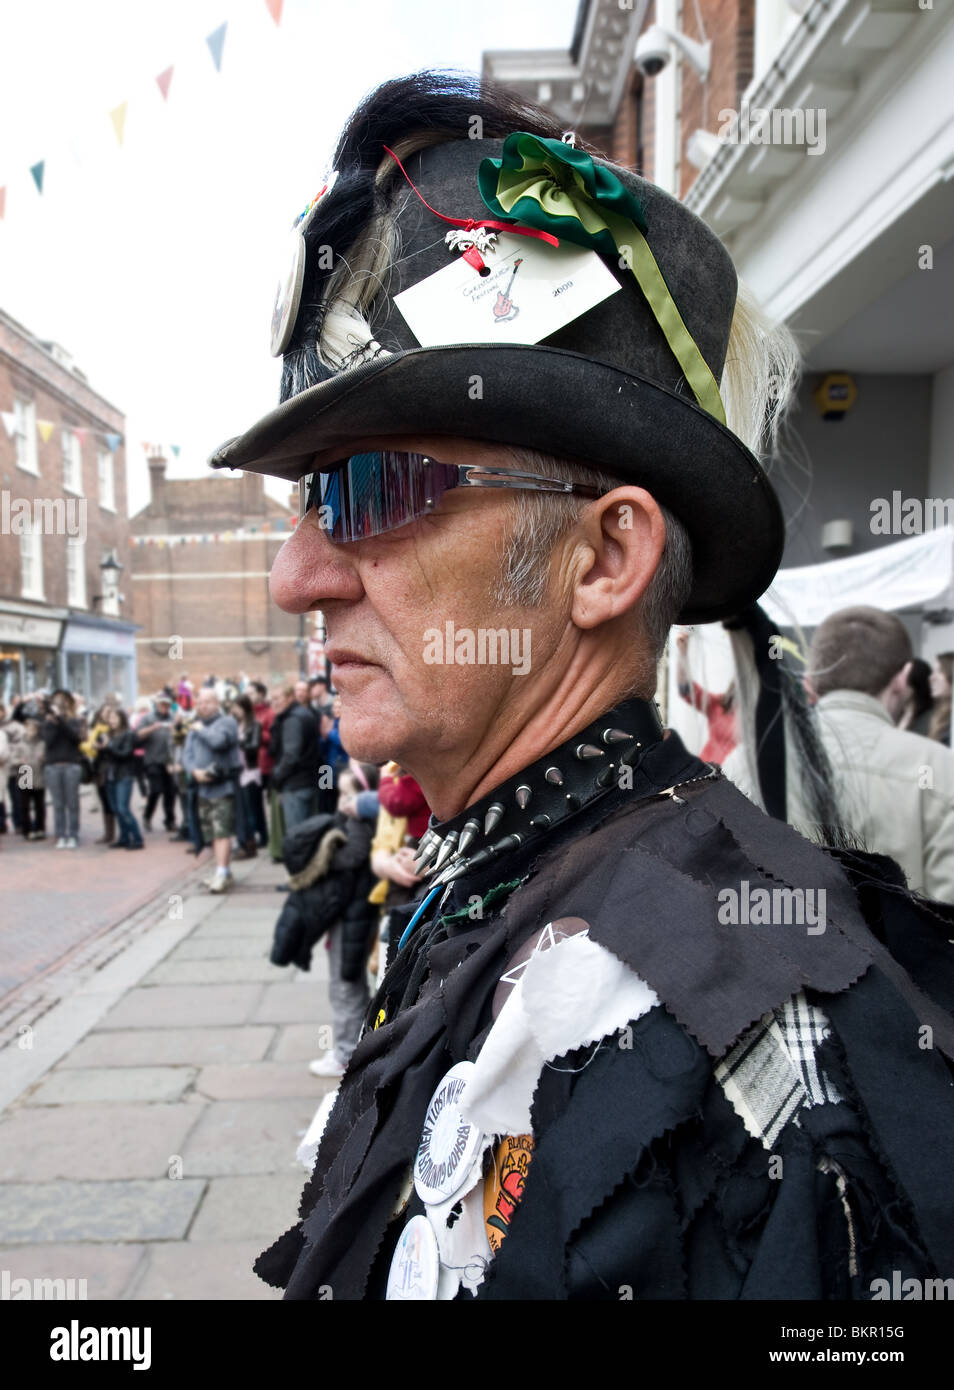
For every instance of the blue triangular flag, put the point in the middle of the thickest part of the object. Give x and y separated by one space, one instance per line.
216 42
37 171
113 442
175 449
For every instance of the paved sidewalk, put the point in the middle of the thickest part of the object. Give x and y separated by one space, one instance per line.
153 1105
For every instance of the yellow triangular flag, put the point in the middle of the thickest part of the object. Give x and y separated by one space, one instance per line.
46 428
118 118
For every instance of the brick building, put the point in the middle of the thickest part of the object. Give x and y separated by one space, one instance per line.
201 554
63 526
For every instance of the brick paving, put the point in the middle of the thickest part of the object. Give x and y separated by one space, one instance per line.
56 901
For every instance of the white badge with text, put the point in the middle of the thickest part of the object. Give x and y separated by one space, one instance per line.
449 1143
531 291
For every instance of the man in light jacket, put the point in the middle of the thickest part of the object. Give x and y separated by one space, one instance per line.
213 759
895 789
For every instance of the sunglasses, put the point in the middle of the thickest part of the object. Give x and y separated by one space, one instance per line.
368 494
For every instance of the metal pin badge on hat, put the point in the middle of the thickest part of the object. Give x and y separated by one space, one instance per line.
288 295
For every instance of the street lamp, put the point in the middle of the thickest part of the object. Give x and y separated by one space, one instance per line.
110 569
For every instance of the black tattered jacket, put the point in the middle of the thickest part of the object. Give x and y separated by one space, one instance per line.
644 1179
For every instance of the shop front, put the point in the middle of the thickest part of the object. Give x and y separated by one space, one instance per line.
29 639
98 658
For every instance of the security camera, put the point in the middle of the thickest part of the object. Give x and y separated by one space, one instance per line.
653 52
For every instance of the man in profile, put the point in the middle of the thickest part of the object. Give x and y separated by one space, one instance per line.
578 1079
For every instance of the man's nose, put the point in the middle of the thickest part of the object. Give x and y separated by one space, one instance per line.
310 569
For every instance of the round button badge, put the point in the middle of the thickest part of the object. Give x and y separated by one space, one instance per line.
449 1144
415 1265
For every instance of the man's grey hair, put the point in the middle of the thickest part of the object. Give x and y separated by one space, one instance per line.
541 518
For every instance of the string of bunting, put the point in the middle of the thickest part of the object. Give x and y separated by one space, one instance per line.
240 533
216 46
45 428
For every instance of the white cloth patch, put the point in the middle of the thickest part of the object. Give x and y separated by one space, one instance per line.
532 290
573 994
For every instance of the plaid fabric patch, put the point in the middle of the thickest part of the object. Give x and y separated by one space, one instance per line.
773 1071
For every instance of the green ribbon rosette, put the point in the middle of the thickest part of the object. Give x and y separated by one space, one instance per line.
549 185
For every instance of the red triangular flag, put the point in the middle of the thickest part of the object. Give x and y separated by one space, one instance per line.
275 10
163 80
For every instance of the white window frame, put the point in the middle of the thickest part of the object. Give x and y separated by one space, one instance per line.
24 411
31 548
106 475
72 462
76 572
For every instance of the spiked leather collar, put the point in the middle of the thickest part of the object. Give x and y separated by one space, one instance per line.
542 796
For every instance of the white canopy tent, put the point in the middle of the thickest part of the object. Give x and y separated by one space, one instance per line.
912 574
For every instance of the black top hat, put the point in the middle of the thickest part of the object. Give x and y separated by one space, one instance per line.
617 388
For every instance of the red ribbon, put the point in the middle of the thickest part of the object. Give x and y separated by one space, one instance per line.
472 255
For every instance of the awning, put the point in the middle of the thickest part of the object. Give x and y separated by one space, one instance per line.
908 574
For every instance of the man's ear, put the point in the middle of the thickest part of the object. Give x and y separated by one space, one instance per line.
618 552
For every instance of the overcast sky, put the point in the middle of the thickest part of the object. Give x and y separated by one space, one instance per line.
155 263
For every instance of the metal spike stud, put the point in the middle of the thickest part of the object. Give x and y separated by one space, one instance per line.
508 842
447 849
468 835
572 800
423 860
494 812
616 736
425 845
554 776
607 777
523 794
588 750
541 823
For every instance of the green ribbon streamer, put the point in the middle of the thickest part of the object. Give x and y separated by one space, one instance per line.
552 186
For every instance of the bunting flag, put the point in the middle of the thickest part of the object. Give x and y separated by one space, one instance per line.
46 428
242 533
176 449
163 80
275 10
216 42
113 441
3 202
37 171
10 422
80 434
118 118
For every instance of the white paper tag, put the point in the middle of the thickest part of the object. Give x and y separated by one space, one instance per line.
532 290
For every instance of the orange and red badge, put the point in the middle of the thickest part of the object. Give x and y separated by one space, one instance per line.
504 1184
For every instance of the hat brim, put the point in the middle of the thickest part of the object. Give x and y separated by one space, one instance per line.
563 403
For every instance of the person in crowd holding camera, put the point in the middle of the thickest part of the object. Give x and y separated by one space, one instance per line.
213 759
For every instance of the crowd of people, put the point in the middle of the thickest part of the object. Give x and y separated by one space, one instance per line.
239 768
229 760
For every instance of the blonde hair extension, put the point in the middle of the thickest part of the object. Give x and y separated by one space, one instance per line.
762 365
